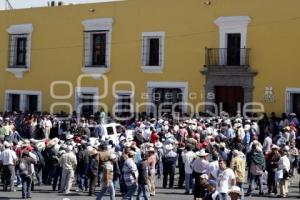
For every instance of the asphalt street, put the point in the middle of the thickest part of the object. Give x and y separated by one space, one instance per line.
44 193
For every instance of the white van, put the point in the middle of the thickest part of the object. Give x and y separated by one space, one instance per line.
111 131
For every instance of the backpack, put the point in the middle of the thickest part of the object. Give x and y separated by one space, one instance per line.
23 168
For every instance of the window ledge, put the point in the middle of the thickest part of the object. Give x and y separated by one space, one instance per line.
152 69
18 71
95 71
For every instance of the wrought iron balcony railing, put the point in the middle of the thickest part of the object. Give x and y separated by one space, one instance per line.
227 57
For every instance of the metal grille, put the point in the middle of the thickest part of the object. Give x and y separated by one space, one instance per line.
95 48
225 56
18 48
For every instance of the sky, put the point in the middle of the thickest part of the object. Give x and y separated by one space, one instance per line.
40 3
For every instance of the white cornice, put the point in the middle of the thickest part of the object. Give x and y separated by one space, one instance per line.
98 24
20 28
232 21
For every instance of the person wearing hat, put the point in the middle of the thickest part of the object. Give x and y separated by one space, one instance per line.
68 162
152 163
8 159
26 172
235 193
213 193
130 175
201 190
92 171
199 166
169 163
107 180
285 166
188 157
257 165
143 170
272 158
159 153
238 165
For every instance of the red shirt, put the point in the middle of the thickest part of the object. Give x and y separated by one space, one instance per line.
154 137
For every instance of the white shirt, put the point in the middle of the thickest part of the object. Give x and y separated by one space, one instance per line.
188 158
8 157
213 168
47 123
267 144
284 163
224 180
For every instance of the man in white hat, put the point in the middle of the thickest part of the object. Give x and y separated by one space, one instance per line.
107 180
169 164
238 165
68 162
152 163
159 153
8 160
188 157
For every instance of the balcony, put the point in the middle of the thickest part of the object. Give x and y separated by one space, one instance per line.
226 57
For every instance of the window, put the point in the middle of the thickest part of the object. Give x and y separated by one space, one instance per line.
14 103
87 102
99 49
97 45
153 52
19 49
22 100
124 104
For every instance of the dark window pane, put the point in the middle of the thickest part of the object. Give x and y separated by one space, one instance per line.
32 103
21 51
87 104
154 52
15 102
99 49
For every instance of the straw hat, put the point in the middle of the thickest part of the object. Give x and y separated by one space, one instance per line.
235 189
169 147
53 142
204 176
158 145
222 145
69 136
201 153
93 152
151 149
168 135
274 146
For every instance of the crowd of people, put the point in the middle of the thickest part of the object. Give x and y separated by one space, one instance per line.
215 156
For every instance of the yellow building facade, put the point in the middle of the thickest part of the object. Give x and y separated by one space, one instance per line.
142 51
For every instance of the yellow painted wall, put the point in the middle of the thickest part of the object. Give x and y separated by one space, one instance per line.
57 44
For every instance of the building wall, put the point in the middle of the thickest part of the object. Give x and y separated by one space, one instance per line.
57 45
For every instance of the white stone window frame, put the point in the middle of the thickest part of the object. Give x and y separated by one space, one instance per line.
23 94
100 25
125 92
289 97
145 51
16 30
229 25
184 86
90 90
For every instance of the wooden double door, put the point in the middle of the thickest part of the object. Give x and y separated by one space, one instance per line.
229 98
